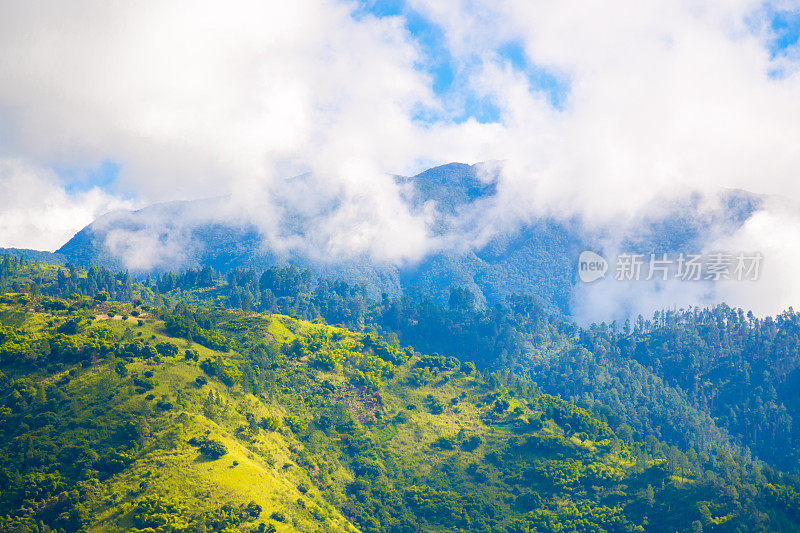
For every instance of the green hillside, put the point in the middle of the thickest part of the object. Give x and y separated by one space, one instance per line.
124 417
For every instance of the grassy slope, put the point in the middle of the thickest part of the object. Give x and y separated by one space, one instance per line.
265 472
169 467
272 466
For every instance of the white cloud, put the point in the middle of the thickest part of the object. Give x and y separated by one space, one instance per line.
196 99
662 96
772 232
36 212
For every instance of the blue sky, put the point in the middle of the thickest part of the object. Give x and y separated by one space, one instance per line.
450 76
82 179
786 26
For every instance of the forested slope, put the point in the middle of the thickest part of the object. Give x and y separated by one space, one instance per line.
150 413
134 422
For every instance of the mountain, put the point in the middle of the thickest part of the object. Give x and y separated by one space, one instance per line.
537 257
122 416
35 255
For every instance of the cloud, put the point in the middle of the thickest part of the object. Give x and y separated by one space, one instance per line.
36 212
196 99
771 232
662 96
199 99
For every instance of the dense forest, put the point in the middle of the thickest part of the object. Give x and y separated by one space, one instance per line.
400 415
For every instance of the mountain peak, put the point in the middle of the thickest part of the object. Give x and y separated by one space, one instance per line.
453 185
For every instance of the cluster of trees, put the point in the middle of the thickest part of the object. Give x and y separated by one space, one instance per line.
287 290
19 274
158 513
189 279
183 322
56 449
723 364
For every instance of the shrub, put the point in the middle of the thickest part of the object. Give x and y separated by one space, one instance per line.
434 405
121 369
148 352
142 385
295 424
444 443
418 377
50 304
213 449
101 296
253 509
70 327
471 443
501 405
270 423
167 349
225 370
326 361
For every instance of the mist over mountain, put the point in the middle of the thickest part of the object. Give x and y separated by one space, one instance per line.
470 244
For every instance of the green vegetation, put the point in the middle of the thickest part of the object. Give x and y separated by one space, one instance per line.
693 378
180 418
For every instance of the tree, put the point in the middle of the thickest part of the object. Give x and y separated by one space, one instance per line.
101 296
70 327
462 299
167 349
213 449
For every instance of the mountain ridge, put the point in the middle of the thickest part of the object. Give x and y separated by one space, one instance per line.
536 257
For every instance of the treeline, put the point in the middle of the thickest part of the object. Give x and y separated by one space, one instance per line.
187 280
492 338
742 370
21 275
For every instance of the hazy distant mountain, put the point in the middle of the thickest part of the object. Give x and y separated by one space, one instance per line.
35 255
537 258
